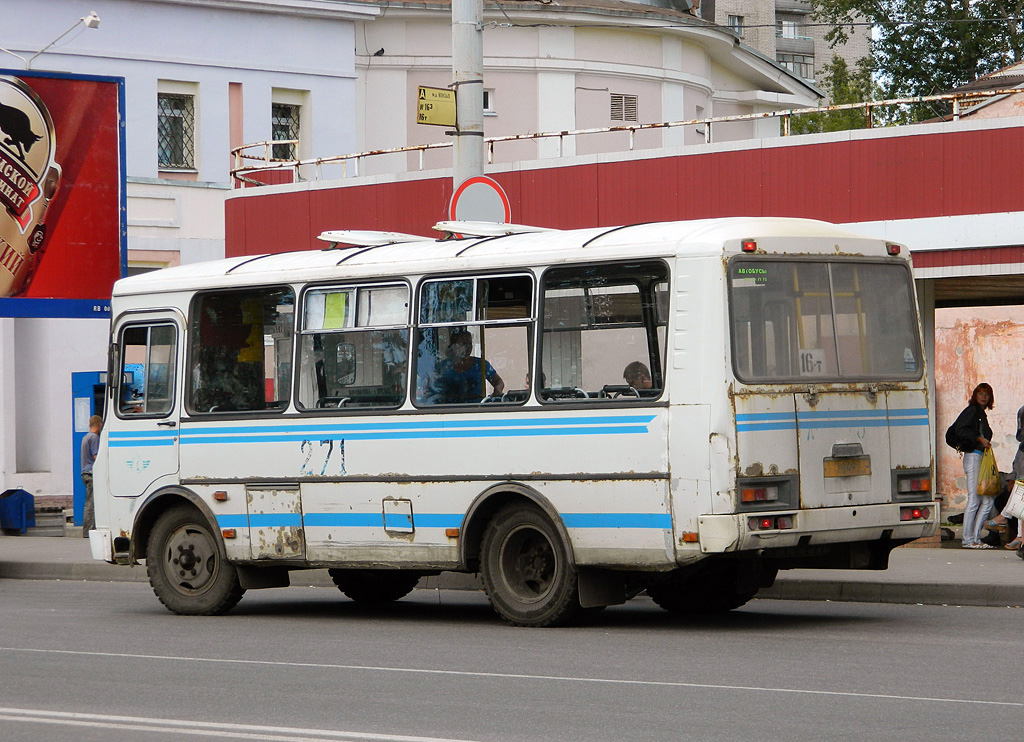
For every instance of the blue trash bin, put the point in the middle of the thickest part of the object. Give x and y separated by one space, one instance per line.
17 510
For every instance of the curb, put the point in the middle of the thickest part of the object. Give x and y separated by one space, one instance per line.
785 588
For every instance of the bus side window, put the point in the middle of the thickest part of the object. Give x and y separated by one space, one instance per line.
240 356
603 330
473 344
354 347
146 383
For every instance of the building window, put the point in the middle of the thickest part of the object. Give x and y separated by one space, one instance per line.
798 64
736 25
284 125
624 107
176 126
788 30
489 109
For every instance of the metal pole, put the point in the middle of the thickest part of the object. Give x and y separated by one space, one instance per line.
468 75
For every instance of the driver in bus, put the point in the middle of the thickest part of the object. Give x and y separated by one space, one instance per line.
461 376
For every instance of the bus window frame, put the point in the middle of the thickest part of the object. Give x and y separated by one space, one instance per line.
300 331
531 323
650 314
827 260
186 390
118 372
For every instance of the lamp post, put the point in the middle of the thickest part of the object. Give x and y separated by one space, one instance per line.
89 21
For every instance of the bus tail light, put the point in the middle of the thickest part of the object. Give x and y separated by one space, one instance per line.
749 245
892 249
912 513
913 484
770 522
759 494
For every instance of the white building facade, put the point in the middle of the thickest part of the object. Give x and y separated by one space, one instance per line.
200 77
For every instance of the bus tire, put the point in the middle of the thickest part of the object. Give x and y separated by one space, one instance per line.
374 586
526 570
709 591
187 570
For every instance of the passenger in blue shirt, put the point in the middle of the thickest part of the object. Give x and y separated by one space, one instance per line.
461 376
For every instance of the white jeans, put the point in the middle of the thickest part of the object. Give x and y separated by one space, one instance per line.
978 507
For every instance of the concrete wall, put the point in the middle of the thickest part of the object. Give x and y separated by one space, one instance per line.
973 345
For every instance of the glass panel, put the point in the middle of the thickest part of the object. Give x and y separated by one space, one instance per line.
504 298
146 384
330 309
786 317
353 369
602 337
446 301
875 319
469 366
241 350
175 131
385 305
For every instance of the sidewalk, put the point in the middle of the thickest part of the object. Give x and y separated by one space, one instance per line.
939 576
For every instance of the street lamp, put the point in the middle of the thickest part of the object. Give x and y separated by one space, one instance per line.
89 21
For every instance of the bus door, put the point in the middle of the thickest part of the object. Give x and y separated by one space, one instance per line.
142 431
843 443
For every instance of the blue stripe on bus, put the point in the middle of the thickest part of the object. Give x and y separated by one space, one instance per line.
307 428
242 435
661 521
617 520
824 419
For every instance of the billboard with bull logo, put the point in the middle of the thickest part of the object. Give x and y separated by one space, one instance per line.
62 193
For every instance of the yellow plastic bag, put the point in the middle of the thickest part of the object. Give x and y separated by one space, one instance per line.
988 475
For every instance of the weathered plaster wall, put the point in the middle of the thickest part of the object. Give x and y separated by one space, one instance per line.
974 345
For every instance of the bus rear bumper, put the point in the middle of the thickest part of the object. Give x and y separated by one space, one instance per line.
861 523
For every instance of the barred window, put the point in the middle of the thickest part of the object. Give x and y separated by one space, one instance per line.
624 107
284 125
799 64
176 124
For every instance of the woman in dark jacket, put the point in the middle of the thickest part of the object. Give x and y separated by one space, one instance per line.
973 429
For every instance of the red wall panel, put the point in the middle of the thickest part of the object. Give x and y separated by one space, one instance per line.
885 177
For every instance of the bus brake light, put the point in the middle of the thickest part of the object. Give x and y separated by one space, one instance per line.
749 245
912 513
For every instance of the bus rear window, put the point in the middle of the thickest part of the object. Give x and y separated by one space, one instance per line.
846 320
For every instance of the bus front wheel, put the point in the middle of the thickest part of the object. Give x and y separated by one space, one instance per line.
527 573
374 586
186 569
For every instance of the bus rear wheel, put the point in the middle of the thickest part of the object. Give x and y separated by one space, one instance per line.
374 586
186 568
714 589
526 570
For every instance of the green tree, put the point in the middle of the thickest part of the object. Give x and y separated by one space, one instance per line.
842 86
927 47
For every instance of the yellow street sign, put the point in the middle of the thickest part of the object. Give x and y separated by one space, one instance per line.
436 106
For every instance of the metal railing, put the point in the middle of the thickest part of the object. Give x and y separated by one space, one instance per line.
247 164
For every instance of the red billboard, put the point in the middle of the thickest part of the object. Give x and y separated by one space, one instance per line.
62 193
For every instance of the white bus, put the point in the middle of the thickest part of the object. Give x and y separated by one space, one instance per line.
578 416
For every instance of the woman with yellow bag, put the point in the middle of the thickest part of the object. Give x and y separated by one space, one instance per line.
973 430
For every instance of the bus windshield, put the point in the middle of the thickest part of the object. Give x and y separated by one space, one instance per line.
838 320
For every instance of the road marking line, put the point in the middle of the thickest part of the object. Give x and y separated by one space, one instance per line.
203 728
521 676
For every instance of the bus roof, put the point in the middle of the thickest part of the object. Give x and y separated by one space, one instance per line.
426 255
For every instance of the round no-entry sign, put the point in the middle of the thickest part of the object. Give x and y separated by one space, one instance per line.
480 199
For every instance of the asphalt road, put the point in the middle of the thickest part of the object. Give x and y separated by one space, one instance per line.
88 661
